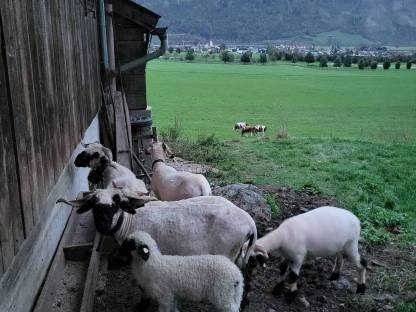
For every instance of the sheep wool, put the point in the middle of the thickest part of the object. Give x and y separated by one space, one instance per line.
166 279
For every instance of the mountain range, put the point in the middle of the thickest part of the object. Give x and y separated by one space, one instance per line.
376 21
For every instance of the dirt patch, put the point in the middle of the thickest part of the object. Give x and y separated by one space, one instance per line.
391 271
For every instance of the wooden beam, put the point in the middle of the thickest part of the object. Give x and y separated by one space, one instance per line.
87 304
77 252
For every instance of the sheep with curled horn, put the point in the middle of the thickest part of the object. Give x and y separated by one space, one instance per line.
168 184
103 168
200 225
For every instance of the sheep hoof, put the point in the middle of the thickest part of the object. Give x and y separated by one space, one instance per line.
360 289
278 288
142 305
291 296
334 276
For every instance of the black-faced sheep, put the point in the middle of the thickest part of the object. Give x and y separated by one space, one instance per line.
111 173
167 279
194 226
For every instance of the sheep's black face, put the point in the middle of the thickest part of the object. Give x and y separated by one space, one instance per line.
93 160
82 160
103 216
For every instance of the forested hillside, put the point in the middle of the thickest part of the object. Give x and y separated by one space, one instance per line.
386 21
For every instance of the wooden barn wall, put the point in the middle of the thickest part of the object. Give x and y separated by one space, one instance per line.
131 45
49 94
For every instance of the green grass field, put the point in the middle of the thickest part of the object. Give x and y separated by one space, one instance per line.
352 133
377 106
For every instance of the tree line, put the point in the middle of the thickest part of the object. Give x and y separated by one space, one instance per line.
337 59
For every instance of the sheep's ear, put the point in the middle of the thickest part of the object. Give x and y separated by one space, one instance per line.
144 252
127 207
127 247
107 152
168 151
87 205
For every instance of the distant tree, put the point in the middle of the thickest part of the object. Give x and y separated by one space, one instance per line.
288 56
361 64
386 64
398 64
222 46
263 58
178 50
190 56
337 62
355 59
347 61
373 64
170 50
226 56
309 58
323 61
409 65
294 58
245 58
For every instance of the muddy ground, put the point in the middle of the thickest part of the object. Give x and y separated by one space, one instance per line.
391 270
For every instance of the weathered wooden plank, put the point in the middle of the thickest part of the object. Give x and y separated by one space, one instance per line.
34 81
87 304
20 284
20 99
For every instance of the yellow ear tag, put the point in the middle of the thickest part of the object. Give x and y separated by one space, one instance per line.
145 250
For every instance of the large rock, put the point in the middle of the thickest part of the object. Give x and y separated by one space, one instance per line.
247 197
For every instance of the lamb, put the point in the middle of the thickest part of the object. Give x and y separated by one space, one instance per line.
165 279
103 168
240 125
168 184
322 232
194 226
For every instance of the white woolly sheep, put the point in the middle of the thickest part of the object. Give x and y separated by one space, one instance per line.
111 173
322 232
165 279
169 184
194 226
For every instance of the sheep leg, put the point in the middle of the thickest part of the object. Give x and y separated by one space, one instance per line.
278 288
293 278
352 252
339 262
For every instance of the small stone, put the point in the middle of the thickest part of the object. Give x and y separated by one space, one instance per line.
304 302
271 310
384 297
342 283
387 307
58 303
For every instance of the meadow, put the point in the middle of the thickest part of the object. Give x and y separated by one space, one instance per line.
351 133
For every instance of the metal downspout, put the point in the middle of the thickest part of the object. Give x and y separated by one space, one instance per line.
103 33
161 33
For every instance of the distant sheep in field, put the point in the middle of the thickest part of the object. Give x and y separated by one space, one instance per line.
111 173
240 125
322 232
165 279
169 184
248 129
260 128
